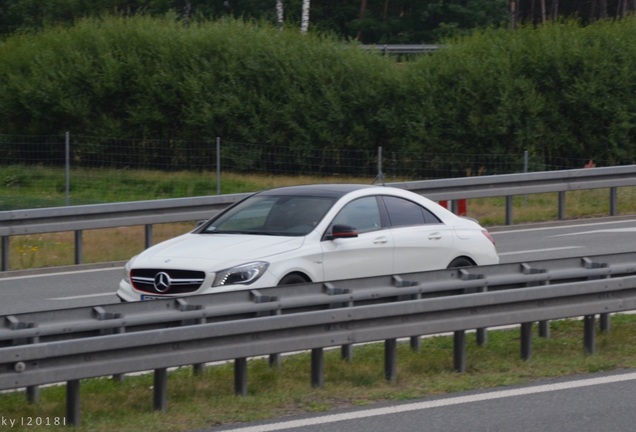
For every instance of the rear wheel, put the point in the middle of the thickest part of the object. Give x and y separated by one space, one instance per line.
459 263
293 278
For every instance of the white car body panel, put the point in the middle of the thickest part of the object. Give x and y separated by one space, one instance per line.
370 254
380 251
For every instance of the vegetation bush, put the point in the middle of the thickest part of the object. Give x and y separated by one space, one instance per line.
559 91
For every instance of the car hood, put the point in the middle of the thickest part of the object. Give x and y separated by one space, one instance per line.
217 250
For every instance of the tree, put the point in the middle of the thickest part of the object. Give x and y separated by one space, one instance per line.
304 20
280 13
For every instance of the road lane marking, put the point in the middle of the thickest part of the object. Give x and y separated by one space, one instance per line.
539 250
83 296
600 231
498 394
512 231
65 273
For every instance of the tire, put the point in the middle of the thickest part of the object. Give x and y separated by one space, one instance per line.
292 279
460 262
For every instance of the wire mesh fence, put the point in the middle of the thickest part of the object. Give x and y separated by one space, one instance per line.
37 171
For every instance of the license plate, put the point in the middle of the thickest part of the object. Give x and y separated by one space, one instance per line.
149 297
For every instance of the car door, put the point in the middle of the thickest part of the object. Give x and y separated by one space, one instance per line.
421 241
368 254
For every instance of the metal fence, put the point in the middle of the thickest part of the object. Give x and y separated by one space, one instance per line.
69 345
66 165
148 213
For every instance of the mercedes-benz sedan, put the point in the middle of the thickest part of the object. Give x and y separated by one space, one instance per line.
313 233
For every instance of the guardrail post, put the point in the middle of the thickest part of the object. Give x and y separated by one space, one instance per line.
257 297
526 340
544 329
160 389
604 322
147 236
5 253
613 201
33 392
589 334
346 350
390 360
561 205
240 376
481 334
79 249
416 341
73 402
459 351
317 368
274 359
509 210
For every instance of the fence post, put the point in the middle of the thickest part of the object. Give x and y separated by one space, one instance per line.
218 165
380 176
67 170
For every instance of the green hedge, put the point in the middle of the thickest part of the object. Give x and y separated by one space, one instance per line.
561 91
558 91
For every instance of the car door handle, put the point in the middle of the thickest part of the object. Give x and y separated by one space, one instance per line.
435 236
380 240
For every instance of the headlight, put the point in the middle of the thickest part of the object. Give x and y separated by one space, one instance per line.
127 269
244 274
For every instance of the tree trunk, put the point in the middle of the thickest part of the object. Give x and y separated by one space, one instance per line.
554 10
363 9
543 12
304 22
602 10
280 13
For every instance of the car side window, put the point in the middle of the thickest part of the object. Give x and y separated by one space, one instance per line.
363 214
403 212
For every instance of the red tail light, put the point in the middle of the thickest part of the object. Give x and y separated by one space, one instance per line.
487 234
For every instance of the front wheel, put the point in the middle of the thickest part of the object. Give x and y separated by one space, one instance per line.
292 279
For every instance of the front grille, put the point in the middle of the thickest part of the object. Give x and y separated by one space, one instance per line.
166 281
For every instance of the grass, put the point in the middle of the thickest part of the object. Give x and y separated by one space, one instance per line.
207 400
40 186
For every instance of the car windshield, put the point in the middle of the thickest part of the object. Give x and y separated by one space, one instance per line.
279 215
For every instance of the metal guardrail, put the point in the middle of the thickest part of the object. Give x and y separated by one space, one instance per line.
403 48
148 213
68 345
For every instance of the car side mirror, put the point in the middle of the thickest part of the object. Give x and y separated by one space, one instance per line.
342 231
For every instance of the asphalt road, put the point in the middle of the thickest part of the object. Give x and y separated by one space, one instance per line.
587 403
81 287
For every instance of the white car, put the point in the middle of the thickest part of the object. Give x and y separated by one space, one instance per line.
313 233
